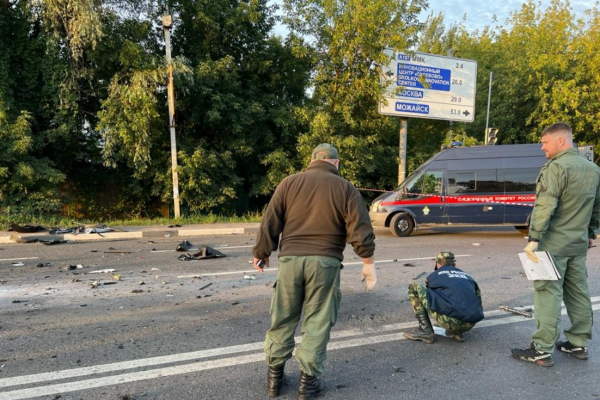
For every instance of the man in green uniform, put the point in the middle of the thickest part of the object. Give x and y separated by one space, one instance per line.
563 223
452 298
316 212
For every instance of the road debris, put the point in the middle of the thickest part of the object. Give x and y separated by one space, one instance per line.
420 275
184 246
26 228
102 271
205 286
52 242
524 312
249 277
203 253
17 264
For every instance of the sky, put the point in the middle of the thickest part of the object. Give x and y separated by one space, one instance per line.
479 13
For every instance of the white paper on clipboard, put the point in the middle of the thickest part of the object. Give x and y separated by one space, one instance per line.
543 270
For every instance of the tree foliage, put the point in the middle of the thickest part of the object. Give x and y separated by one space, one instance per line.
348 39
83 99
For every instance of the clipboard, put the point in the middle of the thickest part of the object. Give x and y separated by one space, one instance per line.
543 270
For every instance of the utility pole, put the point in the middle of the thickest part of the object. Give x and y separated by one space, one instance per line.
167 25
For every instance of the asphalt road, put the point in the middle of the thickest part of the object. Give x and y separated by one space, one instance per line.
170 329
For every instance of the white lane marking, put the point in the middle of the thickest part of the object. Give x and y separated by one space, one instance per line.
129 377
143 362
199 366
345 265
23 258
229 273
212 364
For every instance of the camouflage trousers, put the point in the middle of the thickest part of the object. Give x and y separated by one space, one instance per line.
417 294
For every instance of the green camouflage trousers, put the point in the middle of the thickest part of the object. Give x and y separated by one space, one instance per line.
417 293
311 283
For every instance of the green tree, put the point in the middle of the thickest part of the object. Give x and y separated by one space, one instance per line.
28 184
236 88
348 39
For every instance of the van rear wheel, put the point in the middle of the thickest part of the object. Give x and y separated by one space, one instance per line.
402 225
524 229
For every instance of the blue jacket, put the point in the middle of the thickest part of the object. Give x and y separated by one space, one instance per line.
454 293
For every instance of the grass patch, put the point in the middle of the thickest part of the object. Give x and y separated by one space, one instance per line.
60 222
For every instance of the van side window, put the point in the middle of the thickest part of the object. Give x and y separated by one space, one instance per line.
430 182
520 179
481 181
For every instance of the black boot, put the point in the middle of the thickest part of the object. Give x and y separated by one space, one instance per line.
310 386
275 380
425 331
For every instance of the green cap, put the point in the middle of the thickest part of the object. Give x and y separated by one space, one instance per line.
324 151
445 258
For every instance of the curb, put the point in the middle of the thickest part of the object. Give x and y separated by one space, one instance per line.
145 233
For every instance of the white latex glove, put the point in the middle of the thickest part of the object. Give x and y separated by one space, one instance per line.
368 273
530 249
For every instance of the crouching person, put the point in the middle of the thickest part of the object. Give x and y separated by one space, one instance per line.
452 298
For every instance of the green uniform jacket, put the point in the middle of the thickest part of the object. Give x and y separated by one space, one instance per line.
316 212
567 204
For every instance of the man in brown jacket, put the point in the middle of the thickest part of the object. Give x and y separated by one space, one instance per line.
316 212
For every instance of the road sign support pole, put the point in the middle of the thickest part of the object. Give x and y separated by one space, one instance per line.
487 118
402 150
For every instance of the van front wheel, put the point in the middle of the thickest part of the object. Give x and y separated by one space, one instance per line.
402 225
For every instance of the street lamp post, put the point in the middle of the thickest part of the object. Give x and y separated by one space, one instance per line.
167 24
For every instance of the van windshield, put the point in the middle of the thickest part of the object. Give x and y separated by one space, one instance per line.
423 183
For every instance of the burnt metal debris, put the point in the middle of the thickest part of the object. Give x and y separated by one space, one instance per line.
524 312
203 253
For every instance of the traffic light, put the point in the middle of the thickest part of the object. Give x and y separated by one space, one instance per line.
490 136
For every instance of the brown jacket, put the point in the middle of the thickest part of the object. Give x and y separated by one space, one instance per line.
316 212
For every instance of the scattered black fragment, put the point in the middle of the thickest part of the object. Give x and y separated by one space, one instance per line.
420 275
203 253
52 242
137 291
205 286
26 228
184 246
19 301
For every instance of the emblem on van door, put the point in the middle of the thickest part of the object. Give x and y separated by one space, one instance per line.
426 210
